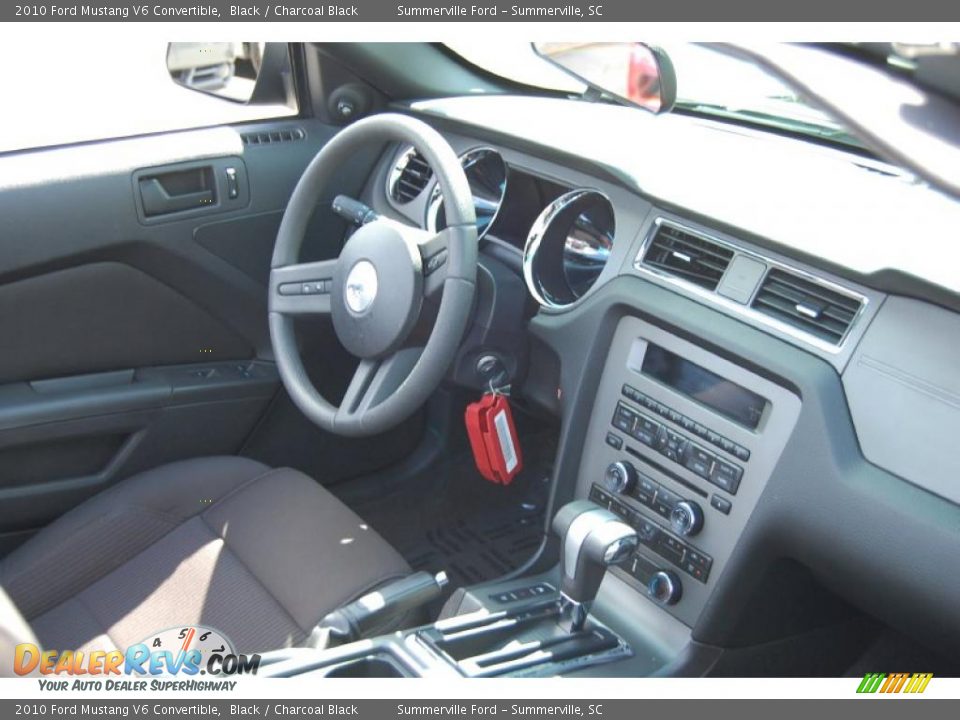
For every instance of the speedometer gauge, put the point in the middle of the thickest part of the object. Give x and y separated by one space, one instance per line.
487 176
568 247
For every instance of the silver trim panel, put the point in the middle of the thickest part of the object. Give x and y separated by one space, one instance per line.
746 310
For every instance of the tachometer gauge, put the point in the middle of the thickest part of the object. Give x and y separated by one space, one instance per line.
486 174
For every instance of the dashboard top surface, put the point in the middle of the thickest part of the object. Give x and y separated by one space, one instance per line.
847 210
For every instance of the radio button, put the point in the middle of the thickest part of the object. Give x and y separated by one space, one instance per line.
647 531
647 431
600 497
622 510
695 572
673 446
698 558
721 504
619 477
741 453
614 441
727 476
645 490
697 565
624 418
665 588
665 501
671 549
686 518
699 461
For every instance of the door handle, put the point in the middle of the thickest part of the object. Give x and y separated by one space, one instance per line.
157 201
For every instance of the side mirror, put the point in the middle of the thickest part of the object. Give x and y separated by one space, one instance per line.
252 73
632 73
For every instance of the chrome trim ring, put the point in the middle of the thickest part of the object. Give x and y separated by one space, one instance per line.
536 236
436 197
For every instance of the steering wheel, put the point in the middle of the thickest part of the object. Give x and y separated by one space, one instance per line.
375 290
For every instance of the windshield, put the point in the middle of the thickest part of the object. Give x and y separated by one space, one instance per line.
708 82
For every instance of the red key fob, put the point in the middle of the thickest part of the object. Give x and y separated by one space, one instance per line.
476 420
493 439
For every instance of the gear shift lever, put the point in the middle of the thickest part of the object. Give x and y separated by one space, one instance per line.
592 539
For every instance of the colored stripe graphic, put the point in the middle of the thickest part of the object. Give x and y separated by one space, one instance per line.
871 682
894 683
919 682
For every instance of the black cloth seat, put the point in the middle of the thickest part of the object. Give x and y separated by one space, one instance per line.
258 554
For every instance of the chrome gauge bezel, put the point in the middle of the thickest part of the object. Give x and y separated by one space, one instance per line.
537 235
436 196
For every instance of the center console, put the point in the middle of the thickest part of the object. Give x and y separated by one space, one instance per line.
525 630
680 445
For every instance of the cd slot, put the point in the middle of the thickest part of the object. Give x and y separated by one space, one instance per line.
666 471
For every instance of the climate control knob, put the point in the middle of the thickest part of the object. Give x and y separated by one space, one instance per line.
686 518
665 587
620 477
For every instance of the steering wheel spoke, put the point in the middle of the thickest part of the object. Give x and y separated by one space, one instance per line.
302 289
434 253
374 380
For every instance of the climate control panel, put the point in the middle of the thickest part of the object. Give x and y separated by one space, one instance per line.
663 541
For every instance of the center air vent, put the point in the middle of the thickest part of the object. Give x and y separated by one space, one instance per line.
807 305
676 252
409 176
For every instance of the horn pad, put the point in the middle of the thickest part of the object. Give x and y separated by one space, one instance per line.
377 291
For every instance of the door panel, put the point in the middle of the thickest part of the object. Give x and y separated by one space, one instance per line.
105 316
133 319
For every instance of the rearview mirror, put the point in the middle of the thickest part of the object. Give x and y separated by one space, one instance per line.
244 72
633 73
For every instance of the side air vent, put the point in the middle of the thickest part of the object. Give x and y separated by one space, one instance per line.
807 305
409 176
690 257
274 136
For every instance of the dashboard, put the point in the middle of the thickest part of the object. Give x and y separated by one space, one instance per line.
727 327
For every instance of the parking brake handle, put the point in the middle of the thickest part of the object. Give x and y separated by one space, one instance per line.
355 620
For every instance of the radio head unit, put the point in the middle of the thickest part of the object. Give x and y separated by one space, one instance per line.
680 445
731 400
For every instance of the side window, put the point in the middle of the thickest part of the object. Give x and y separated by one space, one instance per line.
133 86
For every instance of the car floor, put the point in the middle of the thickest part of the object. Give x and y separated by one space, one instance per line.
446 516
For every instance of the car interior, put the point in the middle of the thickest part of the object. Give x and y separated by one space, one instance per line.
237 361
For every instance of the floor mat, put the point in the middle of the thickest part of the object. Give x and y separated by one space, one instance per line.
479 547
451 519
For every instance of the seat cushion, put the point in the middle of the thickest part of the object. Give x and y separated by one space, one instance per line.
258 554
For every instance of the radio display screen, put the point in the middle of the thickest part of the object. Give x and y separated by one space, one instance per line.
725 397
